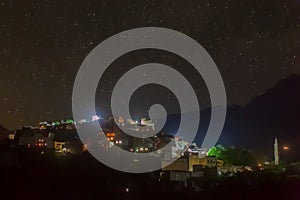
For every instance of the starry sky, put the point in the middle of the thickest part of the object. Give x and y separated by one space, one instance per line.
43 43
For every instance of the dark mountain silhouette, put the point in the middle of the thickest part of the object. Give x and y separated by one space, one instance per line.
275 113
280 104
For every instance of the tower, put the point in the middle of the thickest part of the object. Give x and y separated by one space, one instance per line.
276 155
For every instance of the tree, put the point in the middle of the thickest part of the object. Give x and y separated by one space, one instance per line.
232 155
217 151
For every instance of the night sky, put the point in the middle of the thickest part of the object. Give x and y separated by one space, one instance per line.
43 43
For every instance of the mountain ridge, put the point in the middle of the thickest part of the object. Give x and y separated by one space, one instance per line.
274 113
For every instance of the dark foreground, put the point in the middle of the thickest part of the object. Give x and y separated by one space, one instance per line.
32 176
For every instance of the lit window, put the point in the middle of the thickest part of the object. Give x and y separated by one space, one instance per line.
11 136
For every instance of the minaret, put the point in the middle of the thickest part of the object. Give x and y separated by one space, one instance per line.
276 155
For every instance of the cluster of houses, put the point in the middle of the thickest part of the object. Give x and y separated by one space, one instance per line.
59 137
180 162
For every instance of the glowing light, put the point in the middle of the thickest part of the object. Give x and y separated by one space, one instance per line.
95 118
84 147
70 121
110 134
11 136
286 148
121 120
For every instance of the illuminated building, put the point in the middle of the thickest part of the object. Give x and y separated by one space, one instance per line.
190 168
149 123
82 121
276 154
188 163
58 146
142 145
111 136
43 125
74 147
35 139
193 148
